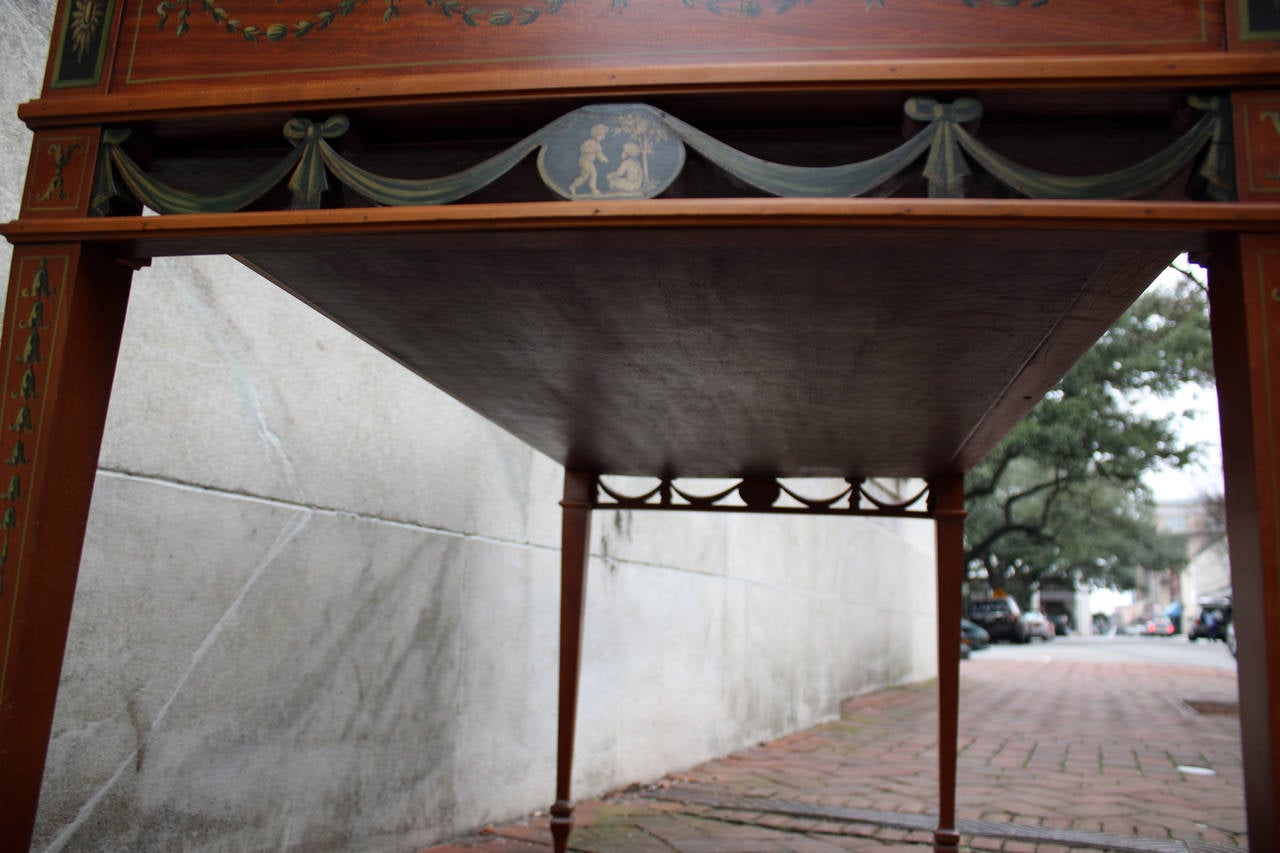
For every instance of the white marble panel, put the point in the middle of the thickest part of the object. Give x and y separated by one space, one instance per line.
505 749
260 676
228 382
660 675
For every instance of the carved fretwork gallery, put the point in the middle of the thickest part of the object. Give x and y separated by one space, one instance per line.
765 494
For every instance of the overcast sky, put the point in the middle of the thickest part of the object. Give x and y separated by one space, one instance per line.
1204 476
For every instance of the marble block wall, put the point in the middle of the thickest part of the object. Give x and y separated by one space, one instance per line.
317 606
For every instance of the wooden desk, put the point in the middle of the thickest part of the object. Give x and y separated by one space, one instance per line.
754 240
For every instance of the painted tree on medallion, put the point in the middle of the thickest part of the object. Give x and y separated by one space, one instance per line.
644 131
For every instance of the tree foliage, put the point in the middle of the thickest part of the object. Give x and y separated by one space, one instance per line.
1062 497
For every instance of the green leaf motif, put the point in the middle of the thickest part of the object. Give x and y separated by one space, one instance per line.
754 8
83 25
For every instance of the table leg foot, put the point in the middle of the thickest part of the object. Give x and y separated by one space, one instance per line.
561 825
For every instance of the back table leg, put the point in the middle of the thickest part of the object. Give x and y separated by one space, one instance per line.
574 548
948 513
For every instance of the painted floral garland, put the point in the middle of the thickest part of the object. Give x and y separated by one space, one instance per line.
470 14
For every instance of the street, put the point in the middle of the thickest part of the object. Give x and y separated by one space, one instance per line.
1168 651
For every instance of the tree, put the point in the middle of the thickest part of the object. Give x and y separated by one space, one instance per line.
645 132
1062 497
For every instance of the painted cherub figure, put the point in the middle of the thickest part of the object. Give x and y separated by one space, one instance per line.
629 176
589 153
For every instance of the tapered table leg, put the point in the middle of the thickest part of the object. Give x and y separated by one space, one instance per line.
948 512
63 318
574 547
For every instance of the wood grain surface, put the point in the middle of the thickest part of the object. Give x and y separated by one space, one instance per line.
253 42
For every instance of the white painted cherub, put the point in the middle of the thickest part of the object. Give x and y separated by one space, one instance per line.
629 176
588 153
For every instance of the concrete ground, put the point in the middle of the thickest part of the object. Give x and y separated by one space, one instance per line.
1056 754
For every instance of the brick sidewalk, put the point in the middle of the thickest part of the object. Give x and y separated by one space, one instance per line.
1054 756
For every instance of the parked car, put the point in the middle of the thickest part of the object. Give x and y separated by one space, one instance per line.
1159 626
1061 624
1212 621
1001 618
973 635
1038 625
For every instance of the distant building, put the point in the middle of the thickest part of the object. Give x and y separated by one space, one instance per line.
1190 517
1207 571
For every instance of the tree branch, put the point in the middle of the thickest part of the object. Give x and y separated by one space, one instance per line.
978 551
982 491
1191 277
1057 484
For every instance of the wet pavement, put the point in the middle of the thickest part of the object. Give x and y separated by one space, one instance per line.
1056 753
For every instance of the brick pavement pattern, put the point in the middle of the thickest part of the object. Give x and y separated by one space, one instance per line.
1054 756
